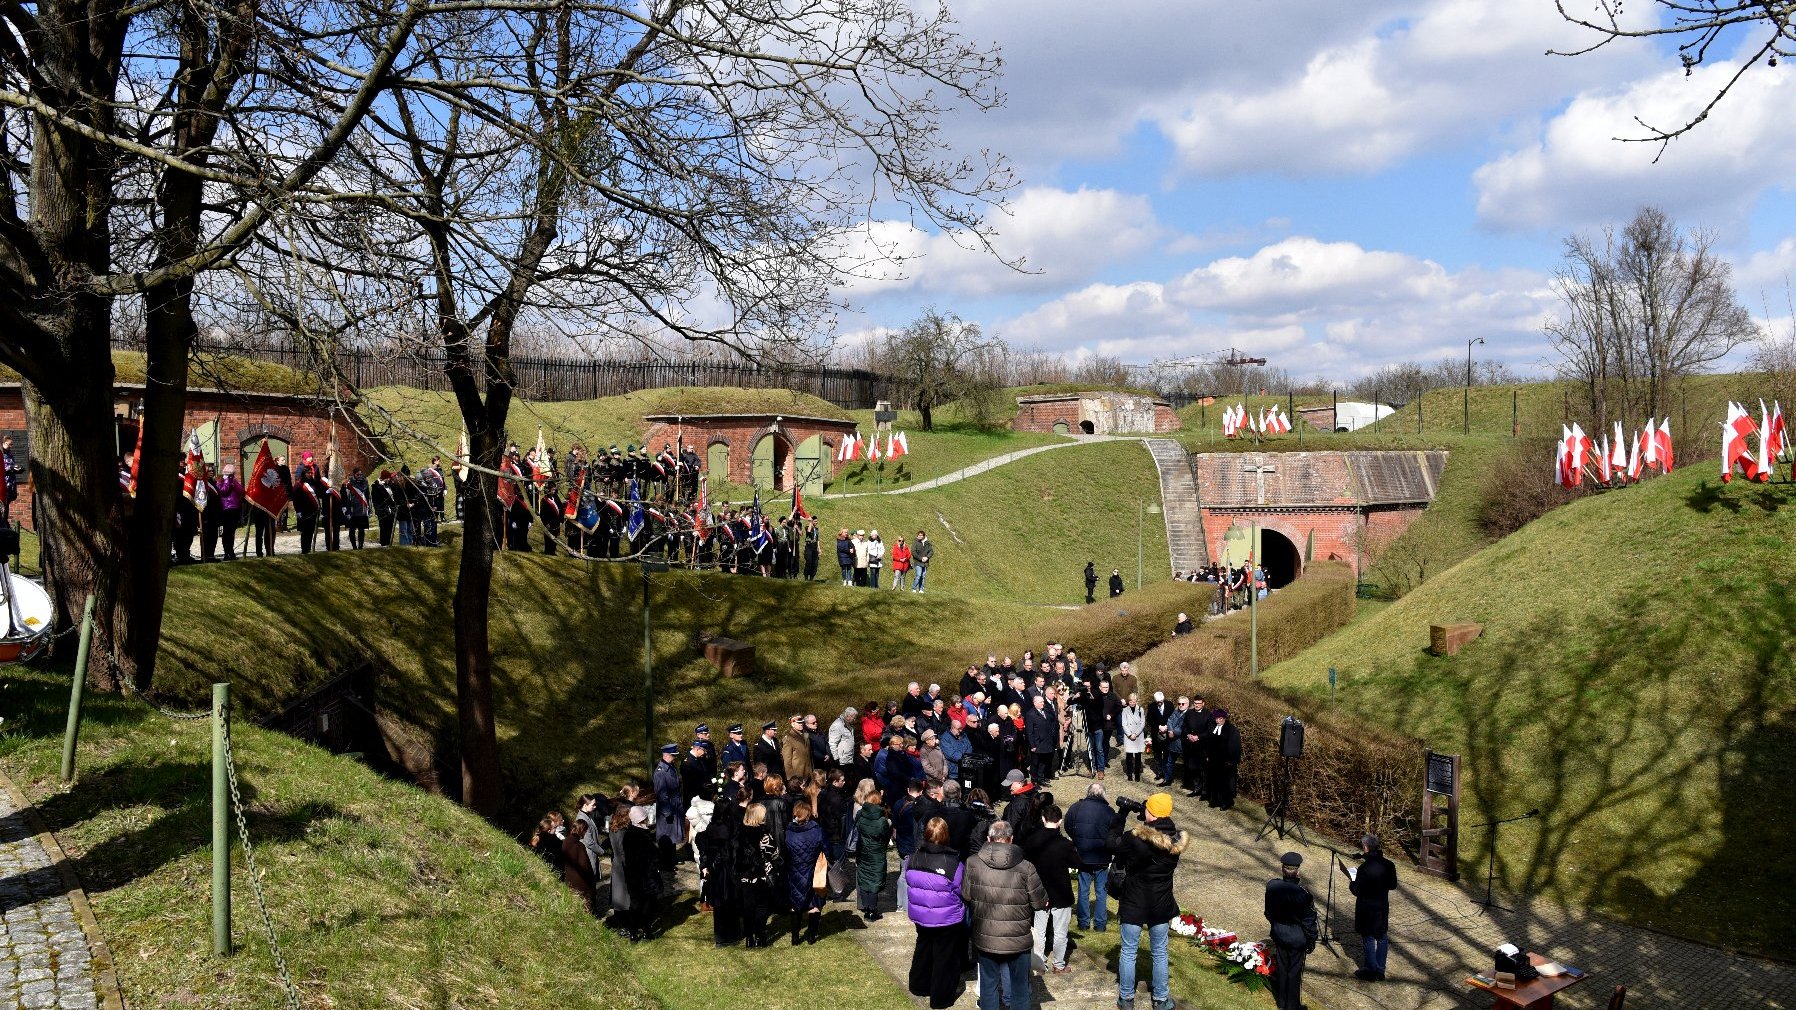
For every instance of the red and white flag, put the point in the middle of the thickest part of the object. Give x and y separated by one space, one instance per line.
873 448
1778 441
1649 444
1228 422
898 445
191 479
137 460
1618 460
1662 445
1634 460
1766 462
539 460
1736 442
264 489
1604 471
506 488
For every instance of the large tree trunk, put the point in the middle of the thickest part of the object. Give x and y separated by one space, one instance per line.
478 737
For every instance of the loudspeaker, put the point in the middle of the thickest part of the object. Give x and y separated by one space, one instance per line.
1290 738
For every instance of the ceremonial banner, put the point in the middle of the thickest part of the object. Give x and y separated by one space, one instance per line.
264 489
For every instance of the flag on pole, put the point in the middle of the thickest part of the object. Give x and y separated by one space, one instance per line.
873 449
572 508
1603 470
264 489
1618 463
757 525
845 451
506 488
137 459
540 464
1634 461
798 503
1649 444
1736 447
1228 422
898 445
634 524
190 479
1779 444
1767 458
1662 445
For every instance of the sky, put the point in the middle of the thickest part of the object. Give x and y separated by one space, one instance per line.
1332 186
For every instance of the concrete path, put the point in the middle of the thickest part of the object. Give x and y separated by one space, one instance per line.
977 468
1438 936
45 956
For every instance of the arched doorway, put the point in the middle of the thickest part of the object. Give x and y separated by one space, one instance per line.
1060 428
772 462
812 467
717 463
1282 560
1087 427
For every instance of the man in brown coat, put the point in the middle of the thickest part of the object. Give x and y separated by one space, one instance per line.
795 750
1003 892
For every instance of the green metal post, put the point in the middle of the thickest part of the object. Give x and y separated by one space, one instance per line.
73 732
648 676
1331 686
1253 604
221 823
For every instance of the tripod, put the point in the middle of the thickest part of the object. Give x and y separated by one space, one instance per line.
1076 753
1490 864
1327 938
1278 814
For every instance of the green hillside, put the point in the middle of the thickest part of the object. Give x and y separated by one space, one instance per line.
1635 681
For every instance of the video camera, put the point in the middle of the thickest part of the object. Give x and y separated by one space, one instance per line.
1127 806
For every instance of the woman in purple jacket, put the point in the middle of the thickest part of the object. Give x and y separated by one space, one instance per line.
933 878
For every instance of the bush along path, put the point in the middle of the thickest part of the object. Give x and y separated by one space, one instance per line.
46 959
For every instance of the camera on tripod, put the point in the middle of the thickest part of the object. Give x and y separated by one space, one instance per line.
1127 806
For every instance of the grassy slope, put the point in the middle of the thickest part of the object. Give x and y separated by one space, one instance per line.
1634 681
951 446
382 895
419 423
1025 530
209 371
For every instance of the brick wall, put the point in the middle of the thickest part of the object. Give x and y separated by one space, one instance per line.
1333 529
306 424
742 433
1166 419
1043 416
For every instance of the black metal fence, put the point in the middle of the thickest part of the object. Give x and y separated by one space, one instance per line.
577 378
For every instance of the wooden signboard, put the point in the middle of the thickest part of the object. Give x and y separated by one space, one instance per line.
1440 815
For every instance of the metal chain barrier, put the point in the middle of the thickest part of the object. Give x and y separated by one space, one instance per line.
131 691
255 880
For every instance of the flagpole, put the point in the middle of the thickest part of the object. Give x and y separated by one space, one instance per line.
1253 606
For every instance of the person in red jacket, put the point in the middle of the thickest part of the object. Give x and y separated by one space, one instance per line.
900 564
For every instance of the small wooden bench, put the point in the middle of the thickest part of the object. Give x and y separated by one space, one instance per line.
731 657
1448 639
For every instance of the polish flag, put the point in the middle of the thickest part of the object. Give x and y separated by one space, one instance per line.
1767 458
1578 452
854 446
898 445
1736 444
1604 473
1649 445
1228 422
1663 445
1619 461
844 450
1634 461
1779 439
190 480
873 448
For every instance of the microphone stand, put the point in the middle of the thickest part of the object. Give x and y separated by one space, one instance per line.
1327 936
1490 865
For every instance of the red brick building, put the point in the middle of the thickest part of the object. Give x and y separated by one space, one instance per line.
231 426
1339 506
773 451
1095 413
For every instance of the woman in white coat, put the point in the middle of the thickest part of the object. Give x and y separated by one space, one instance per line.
876 558
1134 737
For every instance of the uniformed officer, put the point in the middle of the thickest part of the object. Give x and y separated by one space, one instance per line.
1291 912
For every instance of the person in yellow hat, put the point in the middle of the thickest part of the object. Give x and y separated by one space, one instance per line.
1148 853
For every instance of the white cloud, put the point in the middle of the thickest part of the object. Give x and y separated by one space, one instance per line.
1447 70
1061 238
1311 307
1576 172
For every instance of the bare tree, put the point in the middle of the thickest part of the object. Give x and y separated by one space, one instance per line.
1694 26
1643 310
938 359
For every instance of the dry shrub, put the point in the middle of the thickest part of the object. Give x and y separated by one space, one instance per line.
1111 631
1519 487
1291 620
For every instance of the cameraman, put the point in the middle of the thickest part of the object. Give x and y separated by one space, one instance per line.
1147 854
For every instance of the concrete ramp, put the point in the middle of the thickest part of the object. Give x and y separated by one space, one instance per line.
1178 497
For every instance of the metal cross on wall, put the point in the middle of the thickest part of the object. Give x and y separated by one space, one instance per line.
1259 471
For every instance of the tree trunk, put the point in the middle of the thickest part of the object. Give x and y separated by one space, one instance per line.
481 789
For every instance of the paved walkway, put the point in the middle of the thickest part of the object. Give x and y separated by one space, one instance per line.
1438 936
45 960
977 468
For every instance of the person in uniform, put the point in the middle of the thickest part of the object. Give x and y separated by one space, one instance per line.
385 506
550 507
767 750
736 751
1291 912
357 503
308 499
670 808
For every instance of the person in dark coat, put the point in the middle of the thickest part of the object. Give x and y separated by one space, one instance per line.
803 846
1222 759
870 861
1116 583
546 840
934 879
718 868
670 808
1372 887
1003 893
576 864
1091 582
1043 732
1195 727
1055 858
1291 912
635 884
811 550
1149 854
1088 825
754 864
767 750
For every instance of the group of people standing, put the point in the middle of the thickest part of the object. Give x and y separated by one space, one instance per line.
862 556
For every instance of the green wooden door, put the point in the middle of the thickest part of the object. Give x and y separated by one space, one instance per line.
717 463
764 471
812 467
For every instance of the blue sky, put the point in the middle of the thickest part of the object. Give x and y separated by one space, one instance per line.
1334 186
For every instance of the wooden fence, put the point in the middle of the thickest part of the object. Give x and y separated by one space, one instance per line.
544 379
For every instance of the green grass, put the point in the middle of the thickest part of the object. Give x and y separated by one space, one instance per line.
212 371
1193 977
417 424
953 445
1635 681
1025 530
381 894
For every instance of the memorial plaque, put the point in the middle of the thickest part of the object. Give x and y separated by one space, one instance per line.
1440 773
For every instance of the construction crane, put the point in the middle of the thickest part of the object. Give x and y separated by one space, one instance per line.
1170 374
1226 356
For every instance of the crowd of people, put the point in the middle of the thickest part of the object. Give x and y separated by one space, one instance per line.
993 868
1236 586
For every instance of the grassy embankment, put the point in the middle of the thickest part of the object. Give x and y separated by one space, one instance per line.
1634 681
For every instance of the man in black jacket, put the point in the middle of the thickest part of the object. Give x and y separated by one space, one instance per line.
1149 854
1291 912
1088 824
767 750
1043 729
1091 582
1196 728
1372 887
1055 858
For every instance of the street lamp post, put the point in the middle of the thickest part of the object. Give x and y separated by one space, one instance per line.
648 663
1467 398
1253 603
1143 508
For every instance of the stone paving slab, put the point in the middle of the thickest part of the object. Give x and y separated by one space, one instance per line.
45 956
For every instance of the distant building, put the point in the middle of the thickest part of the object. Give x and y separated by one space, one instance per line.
1095 413
1347 415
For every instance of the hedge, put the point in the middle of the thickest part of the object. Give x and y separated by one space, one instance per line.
1352 778
1111 631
